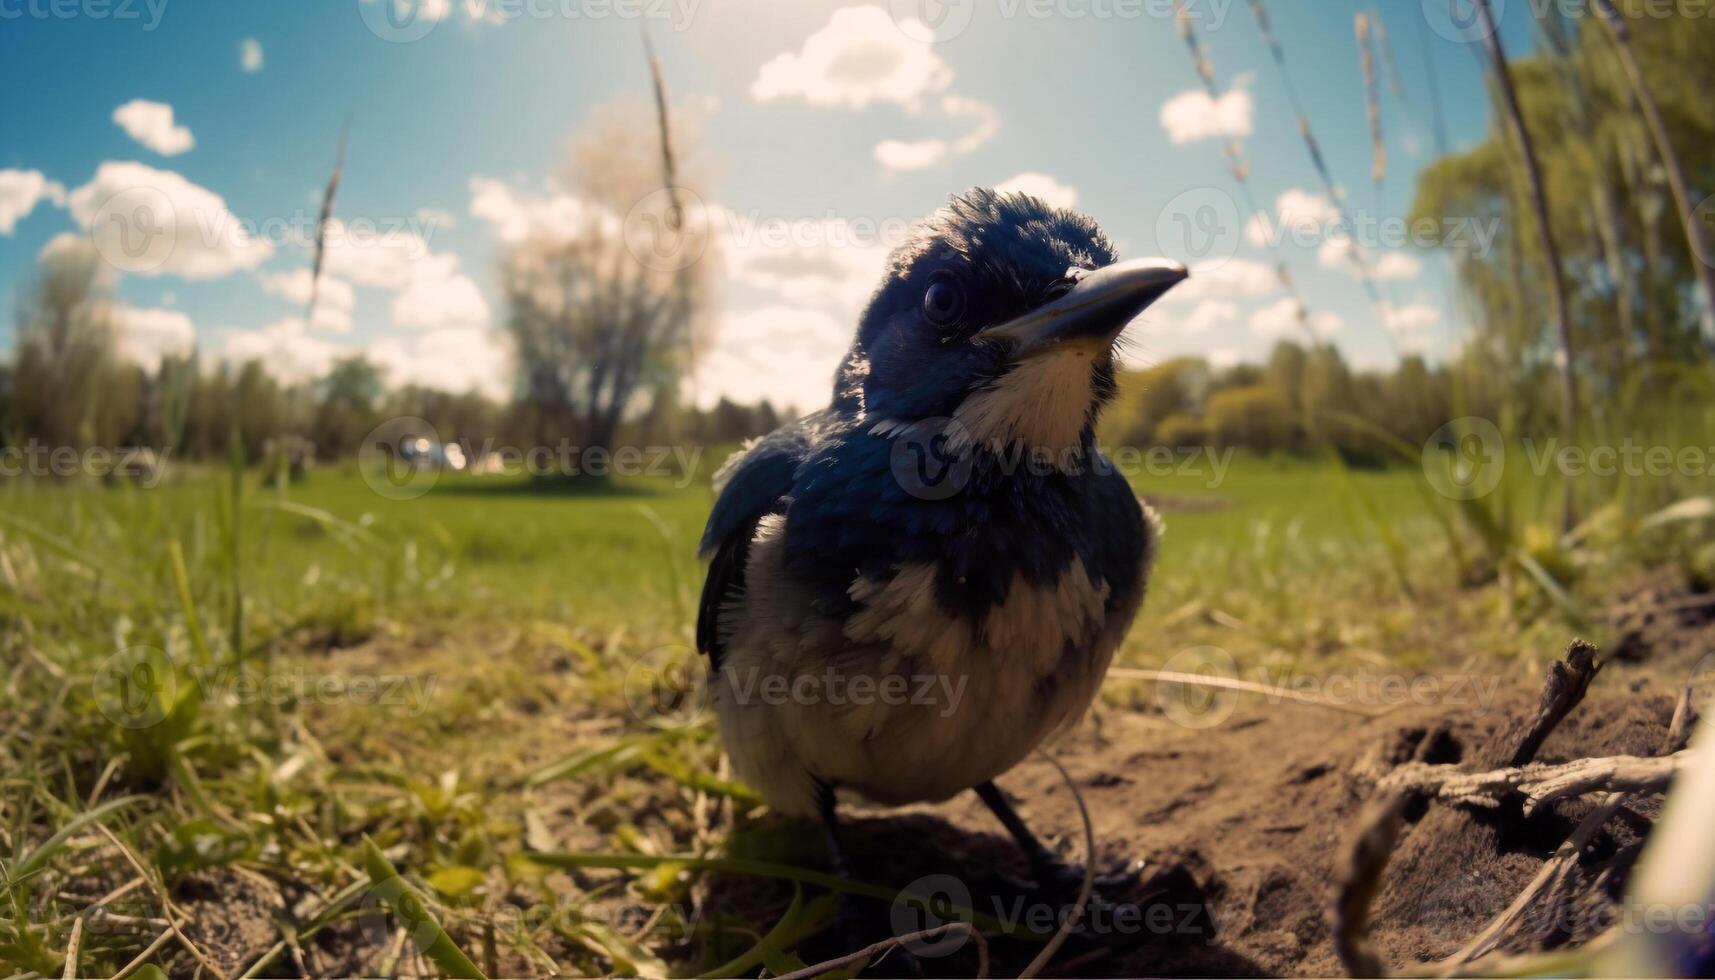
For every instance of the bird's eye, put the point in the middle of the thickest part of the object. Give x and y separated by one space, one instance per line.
943 301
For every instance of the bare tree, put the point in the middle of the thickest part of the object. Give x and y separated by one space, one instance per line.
69 387
605 313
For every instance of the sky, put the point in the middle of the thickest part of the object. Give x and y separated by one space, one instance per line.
822 130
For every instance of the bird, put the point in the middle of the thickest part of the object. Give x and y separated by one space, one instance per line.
909 590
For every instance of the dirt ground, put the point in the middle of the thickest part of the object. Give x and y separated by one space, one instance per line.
1237 826
1240 825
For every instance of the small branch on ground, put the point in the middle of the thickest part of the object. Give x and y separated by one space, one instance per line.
1357 881
1538 783
1567 682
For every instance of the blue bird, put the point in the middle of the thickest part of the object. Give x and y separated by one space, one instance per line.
910 589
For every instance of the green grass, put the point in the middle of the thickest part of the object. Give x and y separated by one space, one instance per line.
511 620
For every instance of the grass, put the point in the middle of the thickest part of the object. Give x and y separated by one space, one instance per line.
288 694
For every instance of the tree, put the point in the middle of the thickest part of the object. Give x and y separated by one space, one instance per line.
606 315
69 387
346 411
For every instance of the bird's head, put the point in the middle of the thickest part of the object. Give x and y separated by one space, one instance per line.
1001 314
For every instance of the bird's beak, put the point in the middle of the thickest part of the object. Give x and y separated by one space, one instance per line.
1095 310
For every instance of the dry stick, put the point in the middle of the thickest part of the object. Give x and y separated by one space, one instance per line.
1568 680
1559 304
944 930
1685 718
1356 883
72 945
1235 684
166 906
143 957
1555 868
1539 784
1089 884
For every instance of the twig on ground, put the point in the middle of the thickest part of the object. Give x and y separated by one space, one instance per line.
163 939
72 944
1089 884
1356 882
1538 783
945 930
1235 684
168 909
1685 718
1567 682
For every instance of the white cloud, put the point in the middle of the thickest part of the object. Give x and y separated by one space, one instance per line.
1232 278
982 118
782 353
1207 315
1279 321
250 54
1192 115
1042 186
513 217
1395 266
181 228
335 300
1300 216
1412 324
146 335
455 359
1222 358
824 262
430 289
438 295
20 191
285 348
151 124
861 56
436 218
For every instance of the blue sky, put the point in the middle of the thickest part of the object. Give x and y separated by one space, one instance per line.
831 118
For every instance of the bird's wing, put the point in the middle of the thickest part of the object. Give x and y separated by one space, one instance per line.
753 484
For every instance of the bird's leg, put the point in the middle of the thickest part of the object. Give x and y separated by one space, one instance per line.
1052 876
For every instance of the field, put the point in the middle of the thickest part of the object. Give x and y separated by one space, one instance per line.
223 691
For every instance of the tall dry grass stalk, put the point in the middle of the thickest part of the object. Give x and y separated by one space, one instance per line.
1569 405
1702 249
